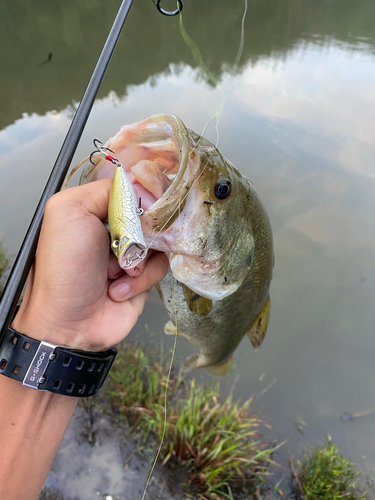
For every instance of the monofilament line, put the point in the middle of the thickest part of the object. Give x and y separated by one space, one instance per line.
165 418
169 370
200 63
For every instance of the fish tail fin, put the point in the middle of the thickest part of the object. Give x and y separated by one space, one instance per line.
221 369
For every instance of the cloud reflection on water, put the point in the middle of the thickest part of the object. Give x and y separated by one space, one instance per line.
302 130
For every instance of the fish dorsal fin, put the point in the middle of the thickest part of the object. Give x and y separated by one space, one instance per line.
197 303
257 332
221 369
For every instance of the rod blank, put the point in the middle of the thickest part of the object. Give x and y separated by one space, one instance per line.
25 257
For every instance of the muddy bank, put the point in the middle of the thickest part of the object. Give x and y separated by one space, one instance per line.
99 458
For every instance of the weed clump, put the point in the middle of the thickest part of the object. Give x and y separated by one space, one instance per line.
327 475
217 441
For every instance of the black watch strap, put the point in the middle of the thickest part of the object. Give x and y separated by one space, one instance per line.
52 368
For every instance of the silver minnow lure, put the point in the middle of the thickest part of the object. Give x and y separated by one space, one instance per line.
127 239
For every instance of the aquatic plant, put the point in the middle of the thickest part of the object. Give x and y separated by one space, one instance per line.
218 441
327 475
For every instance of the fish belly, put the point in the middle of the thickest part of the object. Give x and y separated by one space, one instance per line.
216 332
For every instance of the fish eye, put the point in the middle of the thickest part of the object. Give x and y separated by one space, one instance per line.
115 244
223 188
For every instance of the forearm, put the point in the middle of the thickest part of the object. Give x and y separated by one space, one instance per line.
32 424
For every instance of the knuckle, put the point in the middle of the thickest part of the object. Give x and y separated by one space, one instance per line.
53 204
53 200
62 202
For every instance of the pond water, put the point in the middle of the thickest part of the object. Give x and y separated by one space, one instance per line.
298 118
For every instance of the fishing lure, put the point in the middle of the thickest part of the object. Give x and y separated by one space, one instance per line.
123 215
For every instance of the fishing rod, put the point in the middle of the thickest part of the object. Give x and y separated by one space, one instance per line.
26 254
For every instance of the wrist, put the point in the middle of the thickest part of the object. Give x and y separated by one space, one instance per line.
37 324
48 367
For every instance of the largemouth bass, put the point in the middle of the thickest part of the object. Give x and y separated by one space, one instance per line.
211 224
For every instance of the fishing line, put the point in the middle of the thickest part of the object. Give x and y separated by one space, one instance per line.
202 65
168 376
200 62
165 420
242 40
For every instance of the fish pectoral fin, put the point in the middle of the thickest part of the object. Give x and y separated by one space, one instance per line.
220 370
196 303
258 331
171 329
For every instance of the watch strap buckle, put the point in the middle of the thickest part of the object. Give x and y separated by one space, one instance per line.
39 364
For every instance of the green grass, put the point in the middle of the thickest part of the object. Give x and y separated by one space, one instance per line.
327 475
216 440
138 385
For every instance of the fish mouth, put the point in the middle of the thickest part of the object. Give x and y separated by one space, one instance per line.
156 154
160 157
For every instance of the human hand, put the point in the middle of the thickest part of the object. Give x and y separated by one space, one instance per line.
77 295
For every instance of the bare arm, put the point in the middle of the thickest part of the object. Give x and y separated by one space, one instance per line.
76 296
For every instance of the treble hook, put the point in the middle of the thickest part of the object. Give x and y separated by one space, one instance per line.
99 149
95 141
180 6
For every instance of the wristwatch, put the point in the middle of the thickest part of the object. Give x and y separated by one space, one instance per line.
47 367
